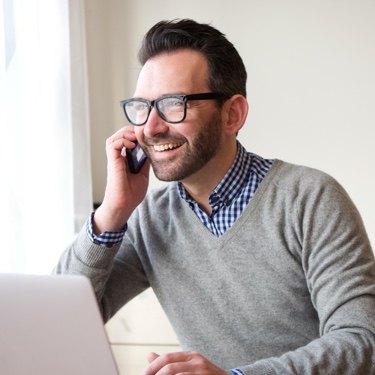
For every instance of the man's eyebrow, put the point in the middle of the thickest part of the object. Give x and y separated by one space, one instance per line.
167 94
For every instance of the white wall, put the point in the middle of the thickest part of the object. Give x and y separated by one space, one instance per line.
311 84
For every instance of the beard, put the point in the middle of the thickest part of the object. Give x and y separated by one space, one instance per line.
197 154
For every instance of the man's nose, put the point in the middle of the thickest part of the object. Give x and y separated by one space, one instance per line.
155 125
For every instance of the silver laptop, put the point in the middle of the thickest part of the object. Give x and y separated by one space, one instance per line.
51 325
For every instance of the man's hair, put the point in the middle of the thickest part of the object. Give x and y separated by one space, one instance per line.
227 72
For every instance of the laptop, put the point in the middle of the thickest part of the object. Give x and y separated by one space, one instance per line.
51 325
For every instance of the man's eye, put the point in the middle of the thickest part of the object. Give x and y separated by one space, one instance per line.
177 103
173 104
140 107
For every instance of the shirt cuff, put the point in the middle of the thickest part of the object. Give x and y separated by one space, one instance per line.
236 371
105 239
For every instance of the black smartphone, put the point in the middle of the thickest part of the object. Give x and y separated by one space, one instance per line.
136 158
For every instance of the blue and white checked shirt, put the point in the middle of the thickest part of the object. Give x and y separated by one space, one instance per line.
230 198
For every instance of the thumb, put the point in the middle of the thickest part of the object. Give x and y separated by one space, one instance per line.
151 357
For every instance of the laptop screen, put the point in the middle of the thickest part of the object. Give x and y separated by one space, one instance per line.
51 325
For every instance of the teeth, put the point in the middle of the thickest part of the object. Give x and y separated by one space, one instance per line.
165 147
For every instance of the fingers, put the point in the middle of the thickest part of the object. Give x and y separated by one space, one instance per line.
169 362
152 356
124 137
181 363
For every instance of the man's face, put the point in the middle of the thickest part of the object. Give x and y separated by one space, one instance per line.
178 151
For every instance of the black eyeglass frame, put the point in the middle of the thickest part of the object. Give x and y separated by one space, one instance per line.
184 98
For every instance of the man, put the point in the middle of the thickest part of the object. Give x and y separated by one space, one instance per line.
262 267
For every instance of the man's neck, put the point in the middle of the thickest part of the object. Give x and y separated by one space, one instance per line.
200 185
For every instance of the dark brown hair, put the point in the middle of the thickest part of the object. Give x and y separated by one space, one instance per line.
227 72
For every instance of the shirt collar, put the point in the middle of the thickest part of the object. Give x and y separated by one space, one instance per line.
232 183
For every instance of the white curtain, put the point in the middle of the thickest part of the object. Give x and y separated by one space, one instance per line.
45 188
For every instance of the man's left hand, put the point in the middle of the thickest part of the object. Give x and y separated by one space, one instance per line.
181 362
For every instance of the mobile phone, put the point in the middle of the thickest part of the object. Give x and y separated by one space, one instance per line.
136 158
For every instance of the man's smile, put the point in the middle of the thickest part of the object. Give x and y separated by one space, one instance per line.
167 146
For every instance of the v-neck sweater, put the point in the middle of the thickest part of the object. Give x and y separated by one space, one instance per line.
288 289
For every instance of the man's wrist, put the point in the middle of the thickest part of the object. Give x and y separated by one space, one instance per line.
107 238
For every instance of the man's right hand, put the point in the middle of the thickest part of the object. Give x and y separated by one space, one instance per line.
124 190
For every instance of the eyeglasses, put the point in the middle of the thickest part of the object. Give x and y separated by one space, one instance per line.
171 108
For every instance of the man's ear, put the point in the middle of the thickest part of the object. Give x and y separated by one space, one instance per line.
234 114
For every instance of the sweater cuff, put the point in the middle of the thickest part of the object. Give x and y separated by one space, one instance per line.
91 254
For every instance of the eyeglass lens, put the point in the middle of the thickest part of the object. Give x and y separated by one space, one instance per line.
170 109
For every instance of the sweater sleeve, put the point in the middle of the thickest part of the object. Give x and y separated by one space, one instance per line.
338 263
115 282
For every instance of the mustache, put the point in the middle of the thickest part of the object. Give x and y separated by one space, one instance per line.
163 138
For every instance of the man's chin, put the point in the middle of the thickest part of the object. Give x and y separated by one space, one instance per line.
168 173
162 173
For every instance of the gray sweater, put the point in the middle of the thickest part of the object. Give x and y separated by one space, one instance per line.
288 289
